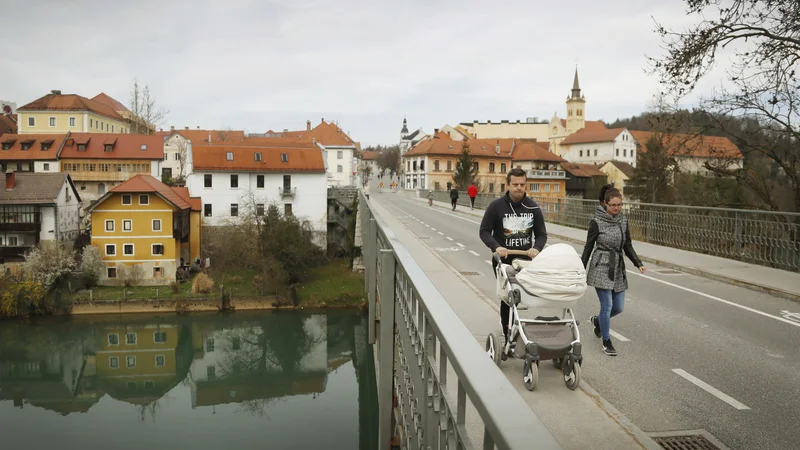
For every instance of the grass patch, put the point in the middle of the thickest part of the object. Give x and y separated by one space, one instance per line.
332 284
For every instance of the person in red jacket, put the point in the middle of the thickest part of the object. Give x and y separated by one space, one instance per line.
472 192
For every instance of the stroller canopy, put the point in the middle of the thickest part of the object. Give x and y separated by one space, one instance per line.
557 274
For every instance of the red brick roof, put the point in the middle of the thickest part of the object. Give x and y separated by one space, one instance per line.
195 202
200 137
140 184
107 100
70 102
34 152
531 150
327 134
214 157
370 156
126 146
442 144
8 123
582 170
586 136
591 125
691 145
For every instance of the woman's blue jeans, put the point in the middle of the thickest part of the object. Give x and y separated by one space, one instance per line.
611 304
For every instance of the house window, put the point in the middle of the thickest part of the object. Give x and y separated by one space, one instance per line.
556 187
234 209
81 147
211 373
229 156
160 337
617 152
259 181
258 156
25 145
209 345
436 165
158 272
502 168
149 385
260 209
287 183
111 272
156 224
234 181
46 146
109 225
502 187
108 148
160 360
72 121
52 121
46 166
287 209
113 362
339 169
580 153
547 188
207 180
130 338
339 154
534 187
113 339
595 152
31 121
144 199
284 157
130 361
436 185
624 152
475 166
491 168
127 225
157 249
127 199
12 241
207 210
491 187
6 145
127 249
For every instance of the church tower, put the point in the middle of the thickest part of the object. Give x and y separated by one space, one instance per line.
404 131
576 104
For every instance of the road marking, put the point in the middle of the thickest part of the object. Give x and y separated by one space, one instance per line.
440 233
474 253
433 229
449 238
460 244
793 316
727 302
427 225
488 262
711 390
618 336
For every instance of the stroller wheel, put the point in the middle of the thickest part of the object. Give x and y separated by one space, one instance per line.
530 375
573 379
558 362
494 347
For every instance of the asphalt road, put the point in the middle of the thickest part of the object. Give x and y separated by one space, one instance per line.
693 353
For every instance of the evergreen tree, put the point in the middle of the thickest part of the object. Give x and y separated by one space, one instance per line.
465 172
655 168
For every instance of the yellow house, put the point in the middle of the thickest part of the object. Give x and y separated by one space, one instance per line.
143 229
618 173
60 113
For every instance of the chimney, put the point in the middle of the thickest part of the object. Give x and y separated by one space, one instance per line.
435 131
198 127
497 147
56 92
323 120
308 125
209 137
160 129
172 128
185 128
11 179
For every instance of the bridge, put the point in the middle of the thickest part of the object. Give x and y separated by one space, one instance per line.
707 341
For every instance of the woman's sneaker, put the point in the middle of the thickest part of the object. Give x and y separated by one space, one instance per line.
608 348
596 324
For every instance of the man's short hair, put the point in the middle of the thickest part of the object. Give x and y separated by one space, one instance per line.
516 172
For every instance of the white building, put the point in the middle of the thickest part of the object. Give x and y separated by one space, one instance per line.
177 145
596 147
408 140
36 207
341 164
692 152
235 180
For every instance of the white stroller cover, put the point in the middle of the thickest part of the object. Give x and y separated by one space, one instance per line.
557 273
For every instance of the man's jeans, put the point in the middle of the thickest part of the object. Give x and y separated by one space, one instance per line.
611 304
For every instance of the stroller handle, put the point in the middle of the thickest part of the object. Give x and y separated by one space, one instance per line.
496 257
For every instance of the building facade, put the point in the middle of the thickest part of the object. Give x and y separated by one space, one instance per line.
61 113
599 146
30 152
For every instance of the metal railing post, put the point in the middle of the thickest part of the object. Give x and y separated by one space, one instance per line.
386 348
370 264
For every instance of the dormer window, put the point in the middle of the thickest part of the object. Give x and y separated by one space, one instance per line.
229 156
26 145
7 145
81 147
284 157
109 147
258 156
46 145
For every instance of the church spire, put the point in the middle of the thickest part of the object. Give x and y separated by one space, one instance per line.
576 88
404 131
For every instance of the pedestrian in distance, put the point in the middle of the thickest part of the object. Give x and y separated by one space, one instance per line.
454 197
609 236
513 222
430 197
472 192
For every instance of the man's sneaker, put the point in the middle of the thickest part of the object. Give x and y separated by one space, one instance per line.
596 325
608 348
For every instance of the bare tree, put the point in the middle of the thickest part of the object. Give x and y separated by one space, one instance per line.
146 115
183 156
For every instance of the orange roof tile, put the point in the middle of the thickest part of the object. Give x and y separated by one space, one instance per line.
214 157
582 170
442 144
691 145
530 150
370 156
327 134
8 123
70 102
200 137
586 136
147 184
34 141
195 202
591 125
126 146
107 100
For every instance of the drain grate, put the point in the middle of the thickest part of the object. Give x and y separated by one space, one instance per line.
470 273
687 440
669 272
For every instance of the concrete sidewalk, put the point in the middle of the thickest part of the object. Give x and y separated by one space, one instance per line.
776 282
579 419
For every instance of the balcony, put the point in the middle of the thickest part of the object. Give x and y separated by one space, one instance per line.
287 191
20 227
547 174
13 254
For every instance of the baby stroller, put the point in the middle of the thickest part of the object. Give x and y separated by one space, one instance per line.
554 280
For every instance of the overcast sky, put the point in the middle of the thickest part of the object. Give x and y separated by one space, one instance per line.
259 65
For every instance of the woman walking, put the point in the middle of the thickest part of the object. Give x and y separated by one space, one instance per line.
609 236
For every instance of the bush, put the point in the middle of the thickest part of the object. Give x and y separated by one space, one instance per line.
91 266
20 297
48 263
174 287
203 284
130 275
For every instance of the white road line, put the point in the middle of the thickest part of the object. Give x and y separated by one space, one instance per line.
488 262
474 253
449 238
727 302
427 225
440 233
433 229
460 244
711 390
618 336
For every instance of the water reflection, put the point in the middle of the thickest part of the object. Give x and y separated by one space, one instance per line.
181 370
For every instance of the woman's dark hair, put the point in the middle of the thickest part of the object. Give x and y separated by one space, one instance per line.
608 192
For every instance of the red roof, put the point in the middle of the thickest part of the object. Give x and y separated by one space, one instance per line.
691 145
215 157
147 184
531 150
8 123
195 202
370 156
586 136
591 125
443 144
200 137
70 102
126 146
327 134
583 170
34 142
107 100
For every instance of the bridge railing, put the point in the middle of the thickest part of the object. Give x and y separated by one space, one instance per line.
418 339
